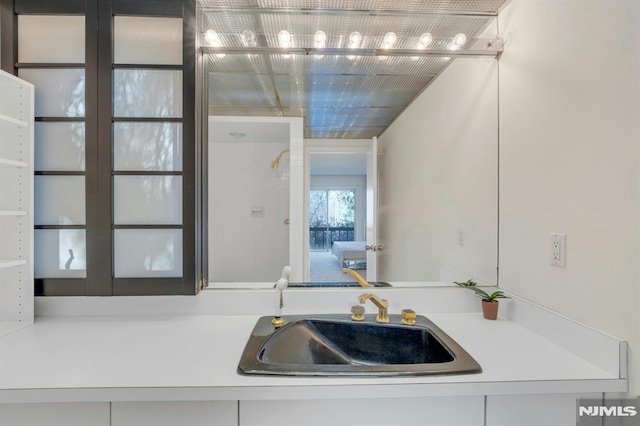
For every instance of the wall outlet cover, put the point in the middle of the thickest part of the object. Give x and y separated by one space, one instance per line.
558 249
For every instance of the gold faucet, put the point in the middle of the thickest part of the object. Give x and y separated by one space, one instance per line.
382 305
358 277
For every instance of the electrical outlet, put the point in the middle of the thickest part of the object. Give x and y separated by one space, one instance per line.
461 235
558 249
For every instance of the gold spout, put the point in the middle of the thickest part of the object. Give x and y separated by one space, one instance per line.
358 277
382 305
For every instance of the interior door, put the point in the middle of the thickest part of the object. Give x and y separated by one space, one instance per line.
372 211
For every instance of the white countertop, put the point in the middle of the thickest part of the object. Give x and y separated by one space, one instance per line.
195 358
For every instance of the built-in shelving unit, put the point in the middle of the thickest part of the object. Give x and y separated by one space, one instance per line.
16 203
8 263
13 213
6 163
5 120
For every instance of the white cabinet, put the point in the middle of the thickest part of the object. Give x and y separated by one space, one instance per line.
16 203
201 413
440 411
67 414
205 413
531 410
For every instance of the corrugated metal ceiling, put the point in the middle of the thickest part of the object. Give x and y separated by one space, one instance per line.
341 92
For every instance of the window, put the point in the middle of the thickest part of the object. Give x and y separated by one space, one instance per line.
115 186
332 217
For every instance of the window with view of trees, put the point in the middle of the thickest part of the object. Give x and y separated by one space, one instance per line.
332 214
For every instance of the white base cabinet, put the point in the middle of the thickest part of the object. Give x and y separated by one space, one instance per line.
201 413
204 413
507 410
68 414
443 411
531 410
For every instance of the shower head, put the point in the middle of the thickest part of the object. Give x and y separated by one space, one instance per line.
276 163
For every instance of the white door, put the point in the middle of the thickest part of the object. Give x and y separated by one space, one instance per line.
372 211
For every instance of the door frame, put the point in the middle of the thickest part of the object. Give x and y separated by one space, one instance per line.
322 146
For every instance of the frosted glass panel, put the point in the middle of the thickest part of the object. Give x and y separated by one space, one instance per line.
56 39
59 146
142 40
148 253
59 92
147 146
147 93
141 200
59 200
60 253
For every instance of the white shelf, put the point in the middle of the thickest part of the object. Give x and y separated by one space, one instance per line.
5 120
9 263
12 163
16 177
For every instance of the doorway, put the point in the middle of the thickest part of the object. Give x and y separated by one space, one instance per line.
336 214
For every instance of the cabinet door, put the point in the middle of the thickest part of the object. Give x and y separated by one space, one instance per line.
454 411
209 413
59 414
531 410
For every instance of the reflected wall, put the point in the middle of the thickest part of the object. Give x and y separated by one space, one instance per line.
438 181
248 202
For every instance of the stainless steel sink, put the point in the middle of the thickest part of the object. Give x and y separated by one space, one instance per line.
334 345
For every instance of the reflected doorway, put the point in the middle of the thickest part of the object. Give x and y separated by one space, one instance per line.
337 215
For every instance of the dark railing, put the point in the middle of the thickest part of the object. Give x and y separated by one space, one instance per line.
321 237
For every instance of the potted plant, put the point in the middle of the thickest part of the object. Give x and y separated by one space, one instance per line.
489 302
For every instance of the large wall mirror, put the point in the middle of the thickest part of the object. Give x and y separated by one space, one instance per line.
329 149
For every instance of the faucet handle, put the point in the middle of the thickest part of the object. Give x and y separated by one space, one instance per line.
358 313
408 316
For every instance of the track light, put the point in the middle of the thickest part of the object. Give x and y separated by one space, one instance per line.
389 40
320 39
355 38
249 38
212 38
284 38
425 40
458 41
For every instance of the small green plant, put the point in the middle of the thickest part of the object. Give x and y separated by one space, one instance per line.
471 285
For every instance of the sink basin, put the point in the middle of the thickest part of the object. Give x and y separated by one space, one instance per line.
334 345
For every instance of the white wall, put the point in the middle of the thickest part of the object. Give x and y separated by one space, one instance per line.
439 171
569 160
242 248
